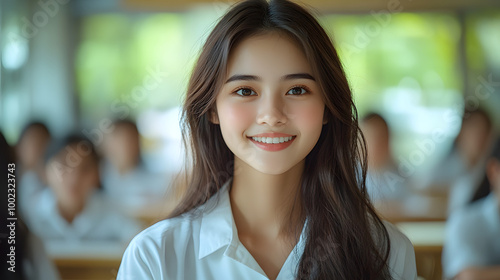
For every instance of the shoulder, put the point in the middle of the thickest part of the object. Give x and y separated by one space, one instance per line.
468 219
108 220
469 233
465 241
402 255
160 245
397 238
44 205
168 230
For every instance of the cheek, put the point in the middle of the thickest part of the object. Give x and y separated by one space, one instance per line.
235 117
308 116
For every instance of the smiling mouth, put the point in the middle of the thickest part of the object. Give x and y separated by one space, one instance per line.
272 140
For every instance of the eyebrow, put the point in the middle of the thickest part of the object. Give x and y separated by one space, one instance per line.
257 78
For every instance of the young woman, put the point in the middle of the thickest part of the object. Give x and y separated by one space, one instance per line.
273 190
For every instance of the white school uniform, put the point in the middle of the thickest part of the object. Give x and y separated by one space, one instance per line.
472 237
443 174
97 221
206 247
134 189
465 186
386 184
29 189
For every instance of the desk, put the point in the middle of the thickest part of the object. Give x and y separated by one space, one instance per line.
86 260
427 239
416 208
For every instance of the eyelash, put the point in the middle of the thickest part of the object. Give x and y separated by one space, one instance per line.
306 89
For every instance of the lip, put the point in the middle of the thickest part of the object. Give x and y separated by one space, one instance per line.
272 134
273 147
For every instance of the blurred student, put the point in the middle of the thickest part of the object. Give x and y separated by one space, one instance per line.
472 247
30 149
460 172
29 260
383 181
73 207
472 146
124 176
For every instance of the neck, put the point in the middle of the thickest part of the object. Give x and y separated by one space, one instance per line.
69 210
263 204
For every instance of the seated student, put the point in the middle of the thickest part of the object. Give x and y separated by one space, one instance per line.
473 145
73 207
383 181
30 149
31 146
124 176
472 247
461 171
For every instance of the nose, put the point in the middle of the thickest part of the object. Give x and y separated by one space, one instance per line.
272 111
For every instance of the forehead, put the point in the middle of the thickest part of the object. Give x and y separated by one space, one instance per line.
271 54
73 153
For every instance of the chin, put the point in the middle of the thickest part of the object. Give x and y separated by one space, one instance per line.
273 169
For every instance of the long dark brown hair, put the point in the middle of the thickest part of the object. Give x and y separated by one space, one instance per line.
345 239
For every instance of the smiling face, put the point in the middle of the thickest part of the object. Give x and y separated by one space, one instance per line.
270 109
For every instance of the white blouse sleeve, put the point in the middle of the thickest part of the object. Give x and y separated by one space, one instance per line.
136 261
402 256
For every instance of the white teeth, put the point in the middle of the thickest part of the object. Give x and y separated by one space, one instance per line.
274 140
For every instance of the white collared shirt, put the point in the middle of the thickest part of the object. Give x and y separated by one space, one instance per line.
134 189
97 221
472 237
204 245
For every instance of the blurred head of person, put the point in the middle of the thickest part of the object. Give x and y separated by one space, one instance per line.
122 146
72 173
31 146
474 138
377 136
493 170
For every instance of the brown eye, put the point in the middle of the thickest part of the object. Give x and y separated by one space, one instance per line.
297 91
245 92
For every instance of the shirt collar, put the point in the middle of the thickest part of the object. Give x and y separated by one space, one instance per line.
217 224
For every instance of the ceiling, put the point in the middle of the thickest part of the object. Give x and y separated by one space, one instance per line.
330 6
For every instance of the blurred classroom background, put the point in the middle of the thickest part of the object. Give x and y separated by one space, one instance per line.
425 76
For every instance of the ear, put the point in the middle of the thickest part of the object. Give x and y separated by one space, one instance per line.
213 116
493 174
325 118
